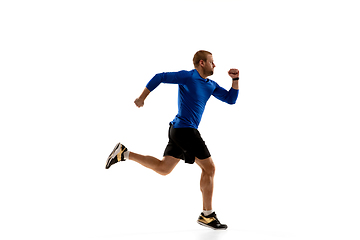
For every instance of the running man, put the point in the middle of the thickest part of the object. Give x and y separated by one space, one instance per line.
185 141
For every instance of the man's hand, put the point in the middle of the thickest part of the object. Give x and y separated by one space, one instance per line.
233 73
139 102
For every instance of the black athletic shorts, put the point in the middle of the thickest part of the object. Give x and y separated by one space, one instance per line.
186 144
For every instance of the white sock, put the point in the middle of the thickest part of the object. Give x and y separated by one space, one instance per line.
126 154
207 213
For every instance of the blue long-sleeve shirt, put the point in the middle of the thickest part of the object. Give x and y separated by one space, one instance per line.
194 92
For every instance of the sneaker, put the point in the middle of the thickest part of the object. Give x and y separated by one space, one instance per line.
116 155
211 221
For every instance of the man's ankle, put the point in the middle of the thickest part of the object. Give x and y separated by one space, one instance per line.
207 212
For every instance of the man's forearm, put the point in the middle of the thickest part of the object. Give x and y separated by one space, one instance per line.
144 94
235 84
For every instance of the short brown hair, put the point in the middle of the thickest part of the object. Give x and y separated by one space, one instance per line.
200 55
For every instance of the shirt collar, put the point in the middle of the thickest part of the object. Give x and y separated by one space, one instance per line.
203 79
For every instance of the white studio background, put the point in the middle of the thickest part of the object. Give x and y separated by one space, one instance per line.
287 154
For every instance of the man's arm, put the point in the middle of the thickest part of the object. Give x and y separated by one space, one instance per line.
231 95
167 77
139 102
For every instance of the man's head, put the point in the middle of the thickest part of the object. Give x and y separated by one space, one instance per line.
204 63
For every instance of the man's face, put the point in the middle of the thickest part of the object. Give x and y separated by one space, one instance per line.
209 65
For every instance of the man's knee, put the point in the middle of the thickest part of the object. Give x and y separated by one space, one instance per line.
207 166
164 171
210 170
167 165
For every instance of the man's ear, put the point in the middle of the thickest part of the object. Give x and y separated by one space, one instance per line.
202 63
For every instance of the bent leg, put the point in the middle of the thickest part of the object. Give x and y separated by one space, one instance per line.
207 181
163 167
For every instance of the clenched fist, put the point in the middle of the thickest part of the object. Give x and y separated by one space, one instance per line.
233 73
139 102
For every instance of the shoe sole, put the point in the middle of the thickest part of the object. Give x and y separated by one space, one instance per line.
112 154
203 224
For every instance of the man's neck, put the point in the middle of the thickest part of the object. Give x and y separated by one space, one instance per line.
201 73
